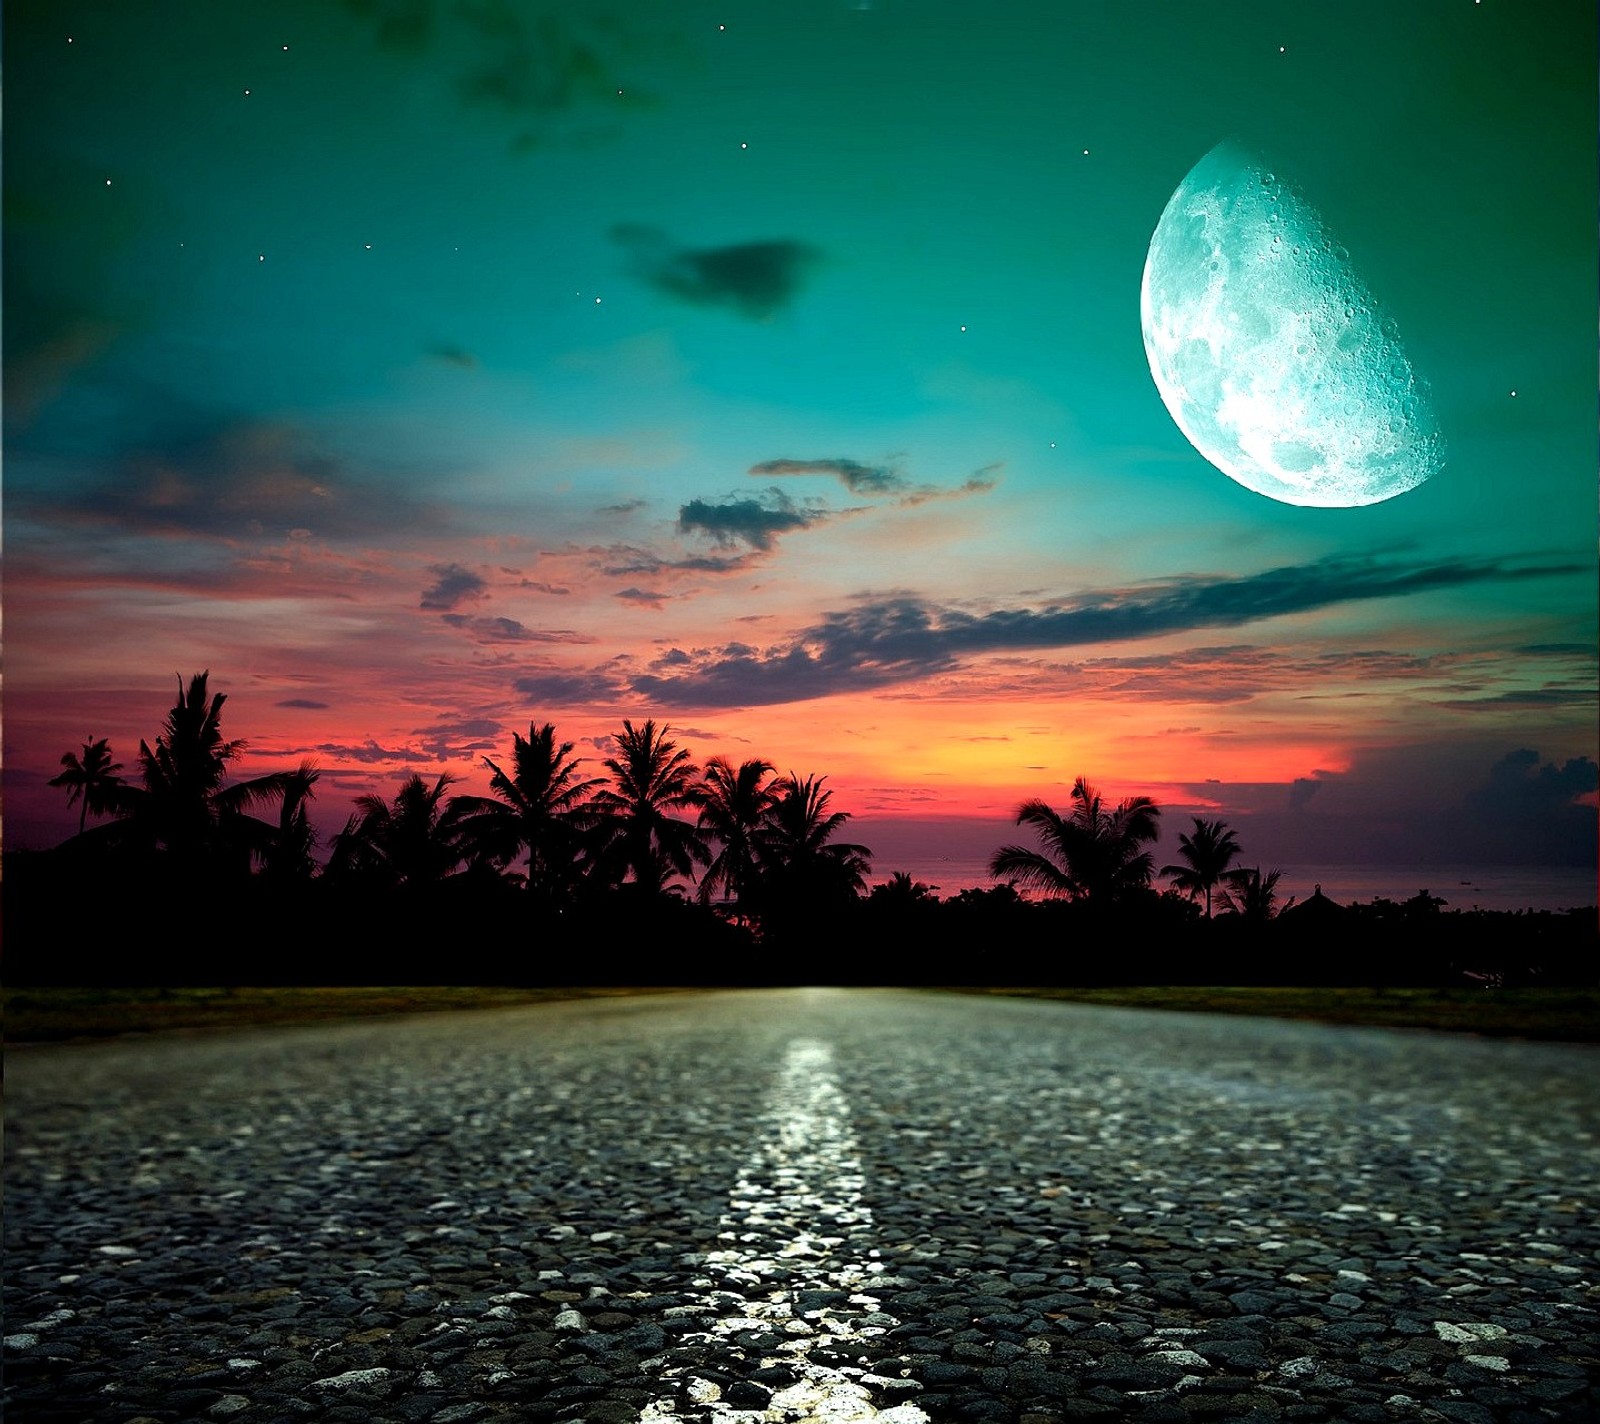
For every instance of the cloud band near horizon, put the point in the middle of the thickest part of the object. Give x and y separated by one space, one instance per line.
883 641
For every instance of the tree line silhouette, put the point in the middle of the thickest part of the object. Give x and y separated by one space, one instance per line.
658 871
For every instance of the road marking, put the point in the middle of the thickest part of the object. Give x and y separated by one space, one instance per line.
796 1223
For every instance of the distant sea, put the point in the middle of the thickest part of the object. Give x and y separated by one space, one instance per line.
1462 887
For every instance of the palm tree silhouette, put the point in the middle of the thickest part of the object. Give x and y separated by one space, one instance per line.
416 839
651 778
288 855
91 780
1091 854
540 807
733 803
1254 896
1207 854
185 804
803 869
901 889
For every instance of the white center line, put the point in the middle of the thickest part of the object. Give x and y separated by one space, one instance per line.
795 1215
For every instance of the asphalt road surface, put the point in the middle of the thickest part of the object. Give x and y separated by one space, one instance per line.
795 1205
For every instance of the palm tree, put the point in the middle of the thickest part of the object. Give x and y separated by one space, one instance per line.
803 869
901 889
651 778
1207 854
733 803
90 780
288 855
1254 896
540 807
185 805
1091 854
416 839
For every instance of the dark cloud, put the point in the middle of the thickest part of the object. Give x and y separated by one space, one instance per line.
370 752
459 736
625 561
555 589
534 66
1522 788
226 480
560 688
304 703
864 479
1537 698
509 630
755 279
453 586
472 727
882 641
756 522
1403 805
628 506
1301 790
649 598
852 474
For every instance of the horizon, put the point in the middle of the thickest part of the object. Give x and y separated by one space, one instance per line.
779 376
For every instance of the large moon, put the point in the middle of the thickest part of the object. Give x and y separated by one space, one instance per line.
1270 352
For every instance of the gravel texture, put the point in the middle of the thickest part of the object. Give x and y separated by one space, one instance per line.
804 1204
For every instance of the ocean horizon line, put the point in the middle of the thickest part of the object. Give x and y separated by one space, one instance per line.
1462 887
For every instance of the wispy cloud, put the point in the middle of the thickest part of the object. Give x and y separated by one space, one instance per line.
509 630
235 481
852 474
881 479
648 598
755 279
369 753
883 641
629 561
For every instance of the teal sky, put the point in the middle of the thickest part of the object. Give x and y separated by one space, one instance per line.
427 367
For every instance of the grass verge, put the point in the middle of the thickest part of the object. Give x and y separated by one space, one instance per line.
1571 1015
43 1015
35 1015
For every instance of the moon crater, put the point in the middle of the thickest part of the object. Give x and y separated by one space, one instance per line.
1269 351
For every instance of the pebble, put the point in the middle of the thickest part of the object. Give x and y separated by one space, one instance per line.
1071 1215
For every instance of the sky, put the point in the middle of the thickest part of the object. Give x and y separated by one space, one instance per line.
424 369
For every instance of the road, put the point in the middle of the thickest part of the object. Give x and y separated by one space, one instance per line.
804 1204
